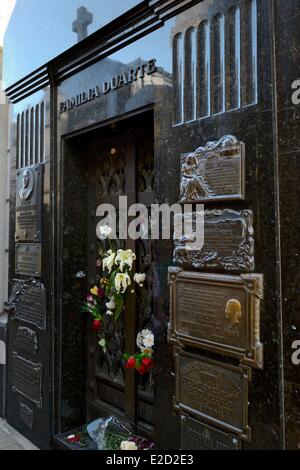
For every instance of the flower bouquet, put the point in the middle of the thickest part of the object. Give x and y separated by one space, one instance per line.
118 280
141 361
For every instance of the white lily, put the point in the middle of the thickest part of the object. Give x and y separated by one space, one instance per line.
125 257
109 312
140 279
105 231
122 281
108 262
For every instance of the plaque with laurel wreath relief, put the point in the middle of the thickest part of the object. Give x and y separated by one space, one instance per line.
228 241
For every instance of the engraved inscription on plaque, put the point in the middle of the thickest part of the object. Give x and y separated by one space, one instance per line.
214 392
28 259
26 340
217 312
29 301
29 204
27 379
214 172
26 415
228 241
200 436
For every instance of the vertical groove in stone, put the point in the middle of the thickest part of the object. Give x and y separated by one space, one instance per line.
37 134
218 64
22 140
42 132
178 70
27 142
32 146
233 59
190 75
249 52
203 70
18 143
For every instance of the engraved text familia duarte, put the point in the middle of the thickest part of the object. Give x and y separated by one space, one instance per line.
130 75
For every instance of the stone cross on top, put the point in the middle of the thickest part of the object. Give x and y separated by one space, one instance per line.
79 26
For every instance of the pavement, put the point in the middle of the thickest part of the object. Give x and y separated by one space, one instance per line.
10 439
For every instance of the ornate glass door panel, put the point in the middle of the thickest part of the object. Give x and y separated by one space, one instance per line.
122 166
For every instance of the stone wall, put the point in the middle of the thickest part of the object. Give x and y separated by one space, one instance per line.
3 235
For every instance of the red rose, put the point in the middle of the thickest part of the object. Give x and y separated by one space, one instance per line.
147 362
96 325
130 364
142 370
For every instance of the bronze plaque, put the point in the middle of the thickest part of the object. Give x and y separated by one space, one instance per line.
200 436
217 312
214 172
214 392
29 259
26 340
27 379
29 204
228 241
26 415
29 301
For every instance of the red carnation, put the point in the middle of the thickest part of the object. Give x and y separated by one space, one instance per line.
96 325
130 364
147 362
73 439
142 370
146 365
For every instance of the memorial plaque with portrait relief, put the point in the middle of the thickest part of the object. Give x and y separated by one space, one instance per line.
217 312
214 172
200 436
214 392
228 241
29 204
28 259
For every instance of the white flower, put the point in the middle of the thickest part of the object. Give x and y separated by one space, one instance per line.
108 262
122 281
128 445
140 279
102 343
149 341
145 340
125 257
105 231
109 312
111 305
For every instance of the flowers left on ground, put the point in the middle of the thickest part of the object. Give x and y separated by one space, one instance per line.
128 445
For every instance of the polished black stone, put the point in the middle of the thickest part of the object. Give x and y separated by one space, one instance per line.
272 193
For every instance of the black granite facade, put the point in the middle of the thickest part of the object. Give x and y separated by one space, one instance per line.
247 95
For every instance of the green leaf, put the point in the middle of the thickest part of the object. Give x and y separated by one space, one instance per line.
137 362
119 299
